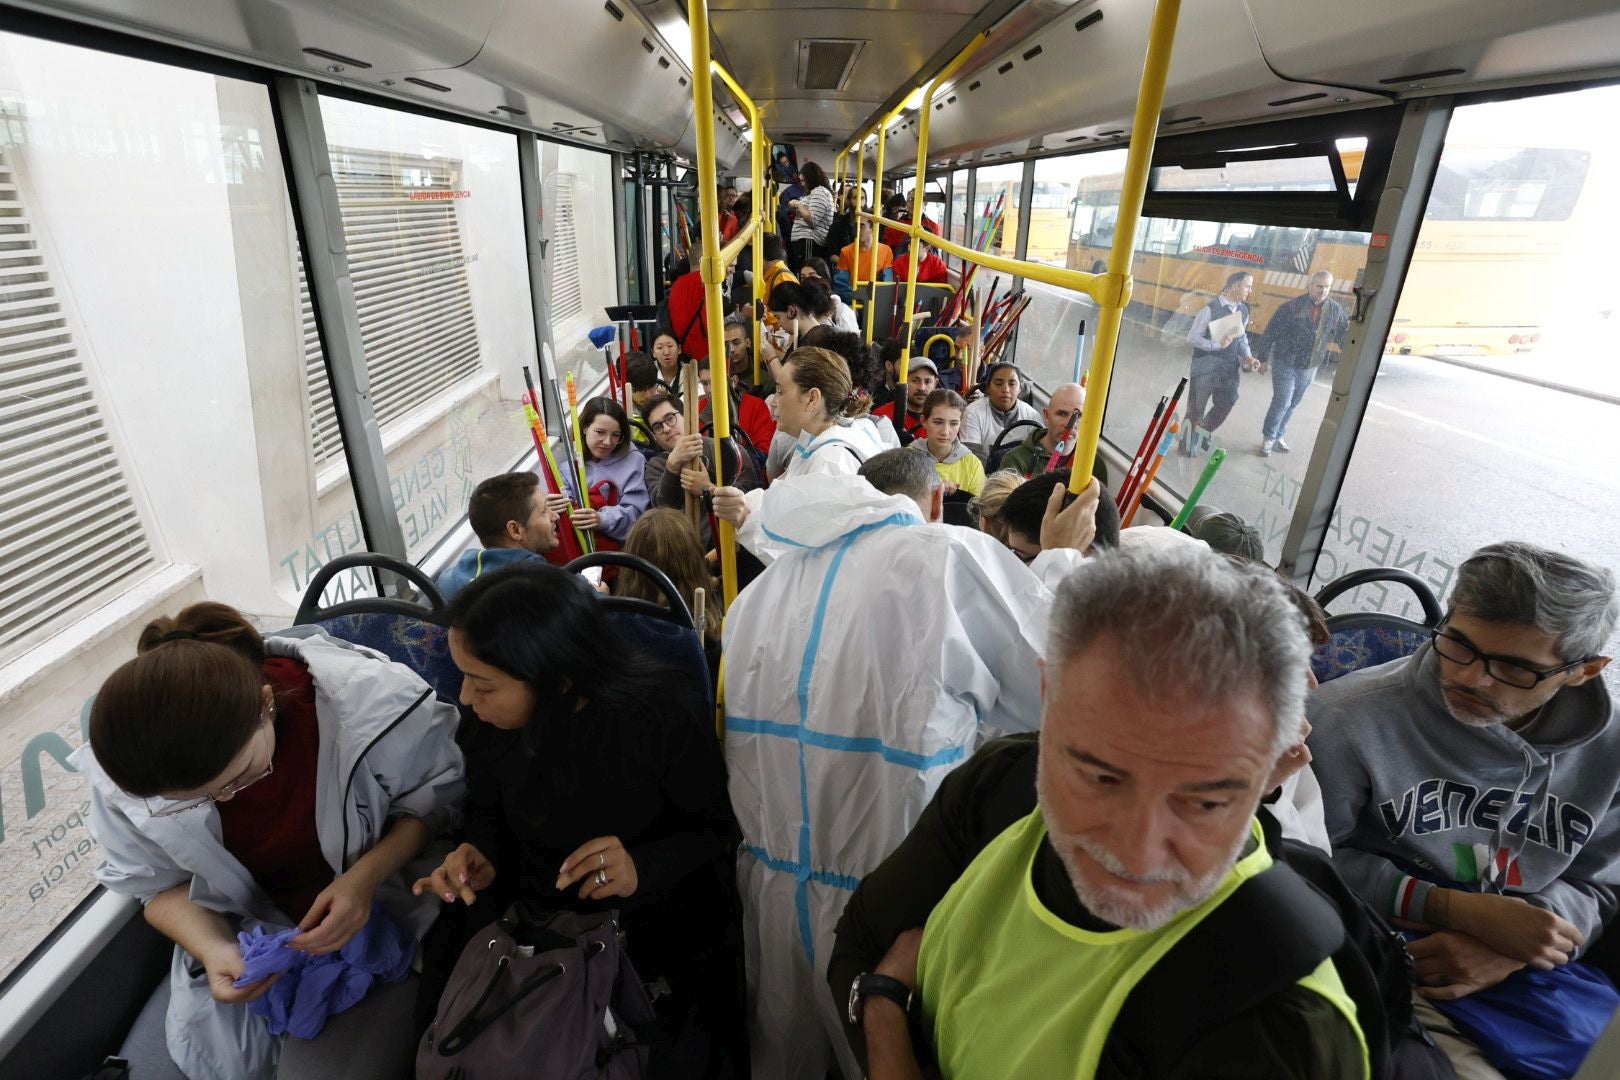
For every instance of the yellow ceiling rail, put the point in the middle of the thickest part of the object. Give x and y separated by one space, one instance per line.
917 228
757 201
1111 290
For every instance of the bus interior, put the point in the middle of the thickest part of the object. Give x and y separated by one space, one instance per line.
188 413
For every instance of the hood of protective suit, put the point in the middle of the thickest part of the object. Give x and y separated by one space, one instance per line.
814 511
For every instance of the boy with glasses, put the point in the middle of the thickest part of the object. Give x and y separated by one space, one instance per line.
1468 791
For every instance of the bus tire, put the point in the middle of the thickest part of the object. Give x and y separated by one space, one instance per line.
1099 267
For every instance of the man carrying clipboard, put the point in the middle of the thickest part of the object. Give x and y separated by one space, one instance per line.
1220 341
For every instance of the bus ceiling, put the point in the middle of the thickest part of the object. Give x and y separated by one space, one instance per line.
1055 75
1072 83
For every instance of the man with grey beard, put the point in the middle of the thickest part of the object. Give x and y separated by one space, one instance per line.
1173 700
1469 791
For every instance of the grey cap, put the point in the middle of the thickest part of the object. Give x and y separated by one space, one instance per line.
921 361
1226 532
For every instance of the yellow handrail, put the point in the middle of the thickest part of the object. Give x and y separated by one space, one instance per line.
729 253
757 228
1111 291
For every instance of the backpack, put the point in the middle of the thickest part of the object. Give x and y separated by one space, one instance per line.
549 995
1215 973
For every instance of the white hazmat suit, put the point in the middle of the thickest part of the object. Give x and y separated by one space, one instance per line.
841 450
859 669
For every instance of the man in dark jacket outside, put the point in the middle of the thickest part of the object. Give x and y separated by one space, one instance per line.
1296 343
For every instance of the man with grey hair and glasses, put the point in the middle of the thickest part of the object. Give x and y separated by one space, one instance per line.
1087 938
1470 791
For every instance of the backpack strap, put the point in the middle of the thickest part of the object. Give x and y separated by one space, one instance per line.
1274 930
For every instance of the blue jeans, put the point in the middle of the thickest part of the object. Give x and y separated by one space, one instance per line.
1288 386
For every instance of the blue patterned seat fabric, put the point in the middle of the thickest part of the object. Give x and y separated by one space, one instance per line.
1364 646
418 644
678 646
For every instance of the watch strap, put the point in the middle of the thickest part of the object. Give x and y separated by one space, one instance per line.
868 985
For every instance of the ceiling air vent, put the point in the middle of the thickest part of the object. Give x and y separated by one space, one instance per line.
1418 76
327 54
826 63
805 136
1295 100
414 81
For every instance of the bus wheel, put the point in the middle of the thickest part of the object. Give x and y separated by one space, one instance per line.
1099 267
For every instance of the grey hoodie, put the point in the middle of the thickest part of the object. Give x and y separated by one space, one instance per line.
387 748
1406 788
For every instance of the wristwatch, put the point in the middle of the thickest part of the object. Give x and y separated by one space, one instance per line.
868 985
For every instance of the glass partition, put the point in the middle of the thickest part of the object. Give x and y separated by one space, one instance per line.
1498 394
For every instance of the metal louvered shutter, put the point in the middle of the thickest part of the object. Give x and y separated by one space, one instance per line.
567 294
69 530
410 281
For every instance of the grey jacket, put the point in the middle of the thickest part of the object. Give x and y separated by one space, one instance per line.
1405 787
387 748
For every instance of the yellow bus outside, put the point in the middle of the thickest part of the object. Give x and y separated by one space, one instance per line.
1497 219
1048 223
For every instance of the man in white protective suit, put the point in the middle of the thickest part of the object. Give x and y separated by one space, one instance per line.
860 669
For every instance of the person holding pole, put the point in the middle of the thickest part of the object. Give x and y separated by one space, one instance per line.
816 403
615 476
1030 456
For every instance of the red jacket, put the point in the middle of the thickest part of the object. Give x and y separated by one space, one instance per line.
914 424
894 237
753 417
932 270
687 315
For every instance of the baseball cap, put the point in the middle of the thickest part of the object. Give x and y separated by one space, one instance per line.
1226 532
922 362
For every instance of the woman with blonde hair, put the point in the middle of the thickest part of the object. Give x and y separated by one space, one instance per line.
816 403
987 503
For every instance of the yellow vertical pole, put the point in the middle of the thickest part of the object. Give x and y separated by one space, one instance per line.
757 164
860 207
712 270
1144 129
917 228
877 212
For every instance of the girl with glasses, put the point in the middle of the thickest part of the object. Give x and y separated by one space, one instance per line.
241 781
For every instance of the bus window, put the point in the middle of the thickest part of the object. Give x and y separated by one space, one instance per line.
997 186
164 426
433 215
1495 406
959 214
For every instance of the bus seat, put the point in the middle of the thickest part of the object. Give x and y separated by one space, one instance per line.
1002 445
668 634
1363 639
415 635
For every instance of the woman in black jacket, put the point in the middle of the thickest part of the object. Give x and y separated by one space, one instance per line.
595 782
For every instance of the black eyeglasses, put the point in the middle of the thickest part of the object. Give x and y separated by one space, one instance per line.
1503 669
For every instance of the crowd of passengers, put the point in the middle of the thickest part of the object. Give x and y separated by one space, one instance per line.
1027 795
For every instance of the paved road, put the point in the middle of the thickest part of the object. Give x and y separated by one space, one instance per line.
1448 458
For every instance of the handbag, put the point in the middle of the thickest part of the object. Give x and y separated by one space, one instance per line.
549 995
